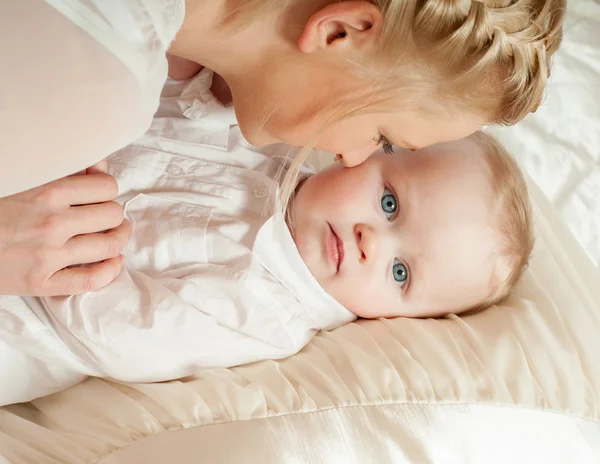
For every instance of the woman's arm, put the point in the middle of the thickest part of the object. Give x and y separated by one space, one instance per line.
66 102
75 86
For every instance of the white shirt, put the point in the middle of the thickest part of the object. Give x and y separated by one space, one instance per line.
83 82
213 277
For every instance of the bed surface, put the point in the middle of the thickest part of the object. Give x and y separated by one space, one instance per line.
518 383
559 145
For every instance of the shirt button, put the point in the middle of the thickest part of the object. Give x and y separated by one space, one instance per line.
175 171
260 192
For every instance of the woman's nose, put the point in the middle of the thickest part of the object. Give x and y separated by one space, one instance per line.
355 157
366 242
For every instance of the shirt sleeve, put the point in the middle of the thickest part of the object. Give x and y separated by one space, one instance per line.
80 80
143 329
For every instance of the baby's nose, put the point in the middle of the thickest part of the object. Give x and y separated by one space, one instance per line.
366 242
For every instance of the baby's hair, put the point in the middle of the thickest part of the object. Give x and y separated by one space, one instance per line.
489 57
513 218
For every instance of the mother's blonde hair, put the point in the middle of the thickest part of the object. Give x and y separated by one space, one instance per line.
491 56
486 57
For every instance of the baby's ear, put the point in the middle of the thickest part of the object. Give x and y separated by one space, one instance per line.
343 26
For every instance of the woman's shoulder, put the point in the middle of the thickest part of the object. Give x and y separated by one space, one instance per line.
144 26
136 32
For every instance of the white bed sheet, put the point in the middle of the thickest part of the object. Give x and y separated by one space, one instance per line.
559 145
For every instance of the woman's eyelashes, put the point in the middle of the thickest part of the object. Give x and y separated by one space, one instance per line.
389 204
386 145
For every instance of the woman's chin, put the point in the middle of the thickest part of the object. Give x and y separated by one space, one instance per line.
255 135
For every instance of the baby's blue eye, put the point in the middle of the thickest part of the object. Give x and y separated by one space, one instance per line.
400 271
389 203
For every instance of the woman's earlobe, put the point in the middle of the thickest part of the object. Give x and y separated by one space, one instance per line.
349 21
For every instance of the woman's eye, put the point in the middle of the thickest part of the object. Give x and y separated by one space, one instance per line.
389 204
400 271
386 146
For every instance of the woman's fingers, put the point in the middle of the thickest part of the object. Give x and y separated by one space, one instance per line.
78 190
98 168
42 233
102 250
89 219
75 281
101 167
92 248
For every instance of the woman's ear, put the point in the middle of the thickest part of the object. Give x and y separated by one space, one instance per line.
347 24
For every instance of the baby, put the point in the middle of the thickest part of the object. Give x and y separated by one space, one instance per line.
216 277
418 234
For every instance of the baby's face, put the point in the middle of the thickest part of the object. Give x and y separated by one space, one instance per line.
410 234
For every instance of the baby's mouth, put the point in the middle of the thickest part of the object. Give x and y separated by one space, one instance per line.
335 248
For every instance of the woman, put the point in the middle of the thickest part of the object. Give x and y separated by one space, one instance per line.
345 77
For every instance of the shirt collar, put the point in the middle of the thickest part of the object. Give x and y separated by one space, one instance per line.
276 250
198 103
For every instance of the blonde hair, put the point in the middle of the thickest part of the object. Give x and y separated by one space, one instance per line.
487 55
491 57
513 216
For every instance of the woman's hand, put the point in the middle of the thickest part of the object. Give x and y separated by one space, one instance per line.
46 230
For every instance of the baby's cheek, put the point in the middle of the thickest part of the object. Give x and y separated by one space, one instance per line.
372 300
350 293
